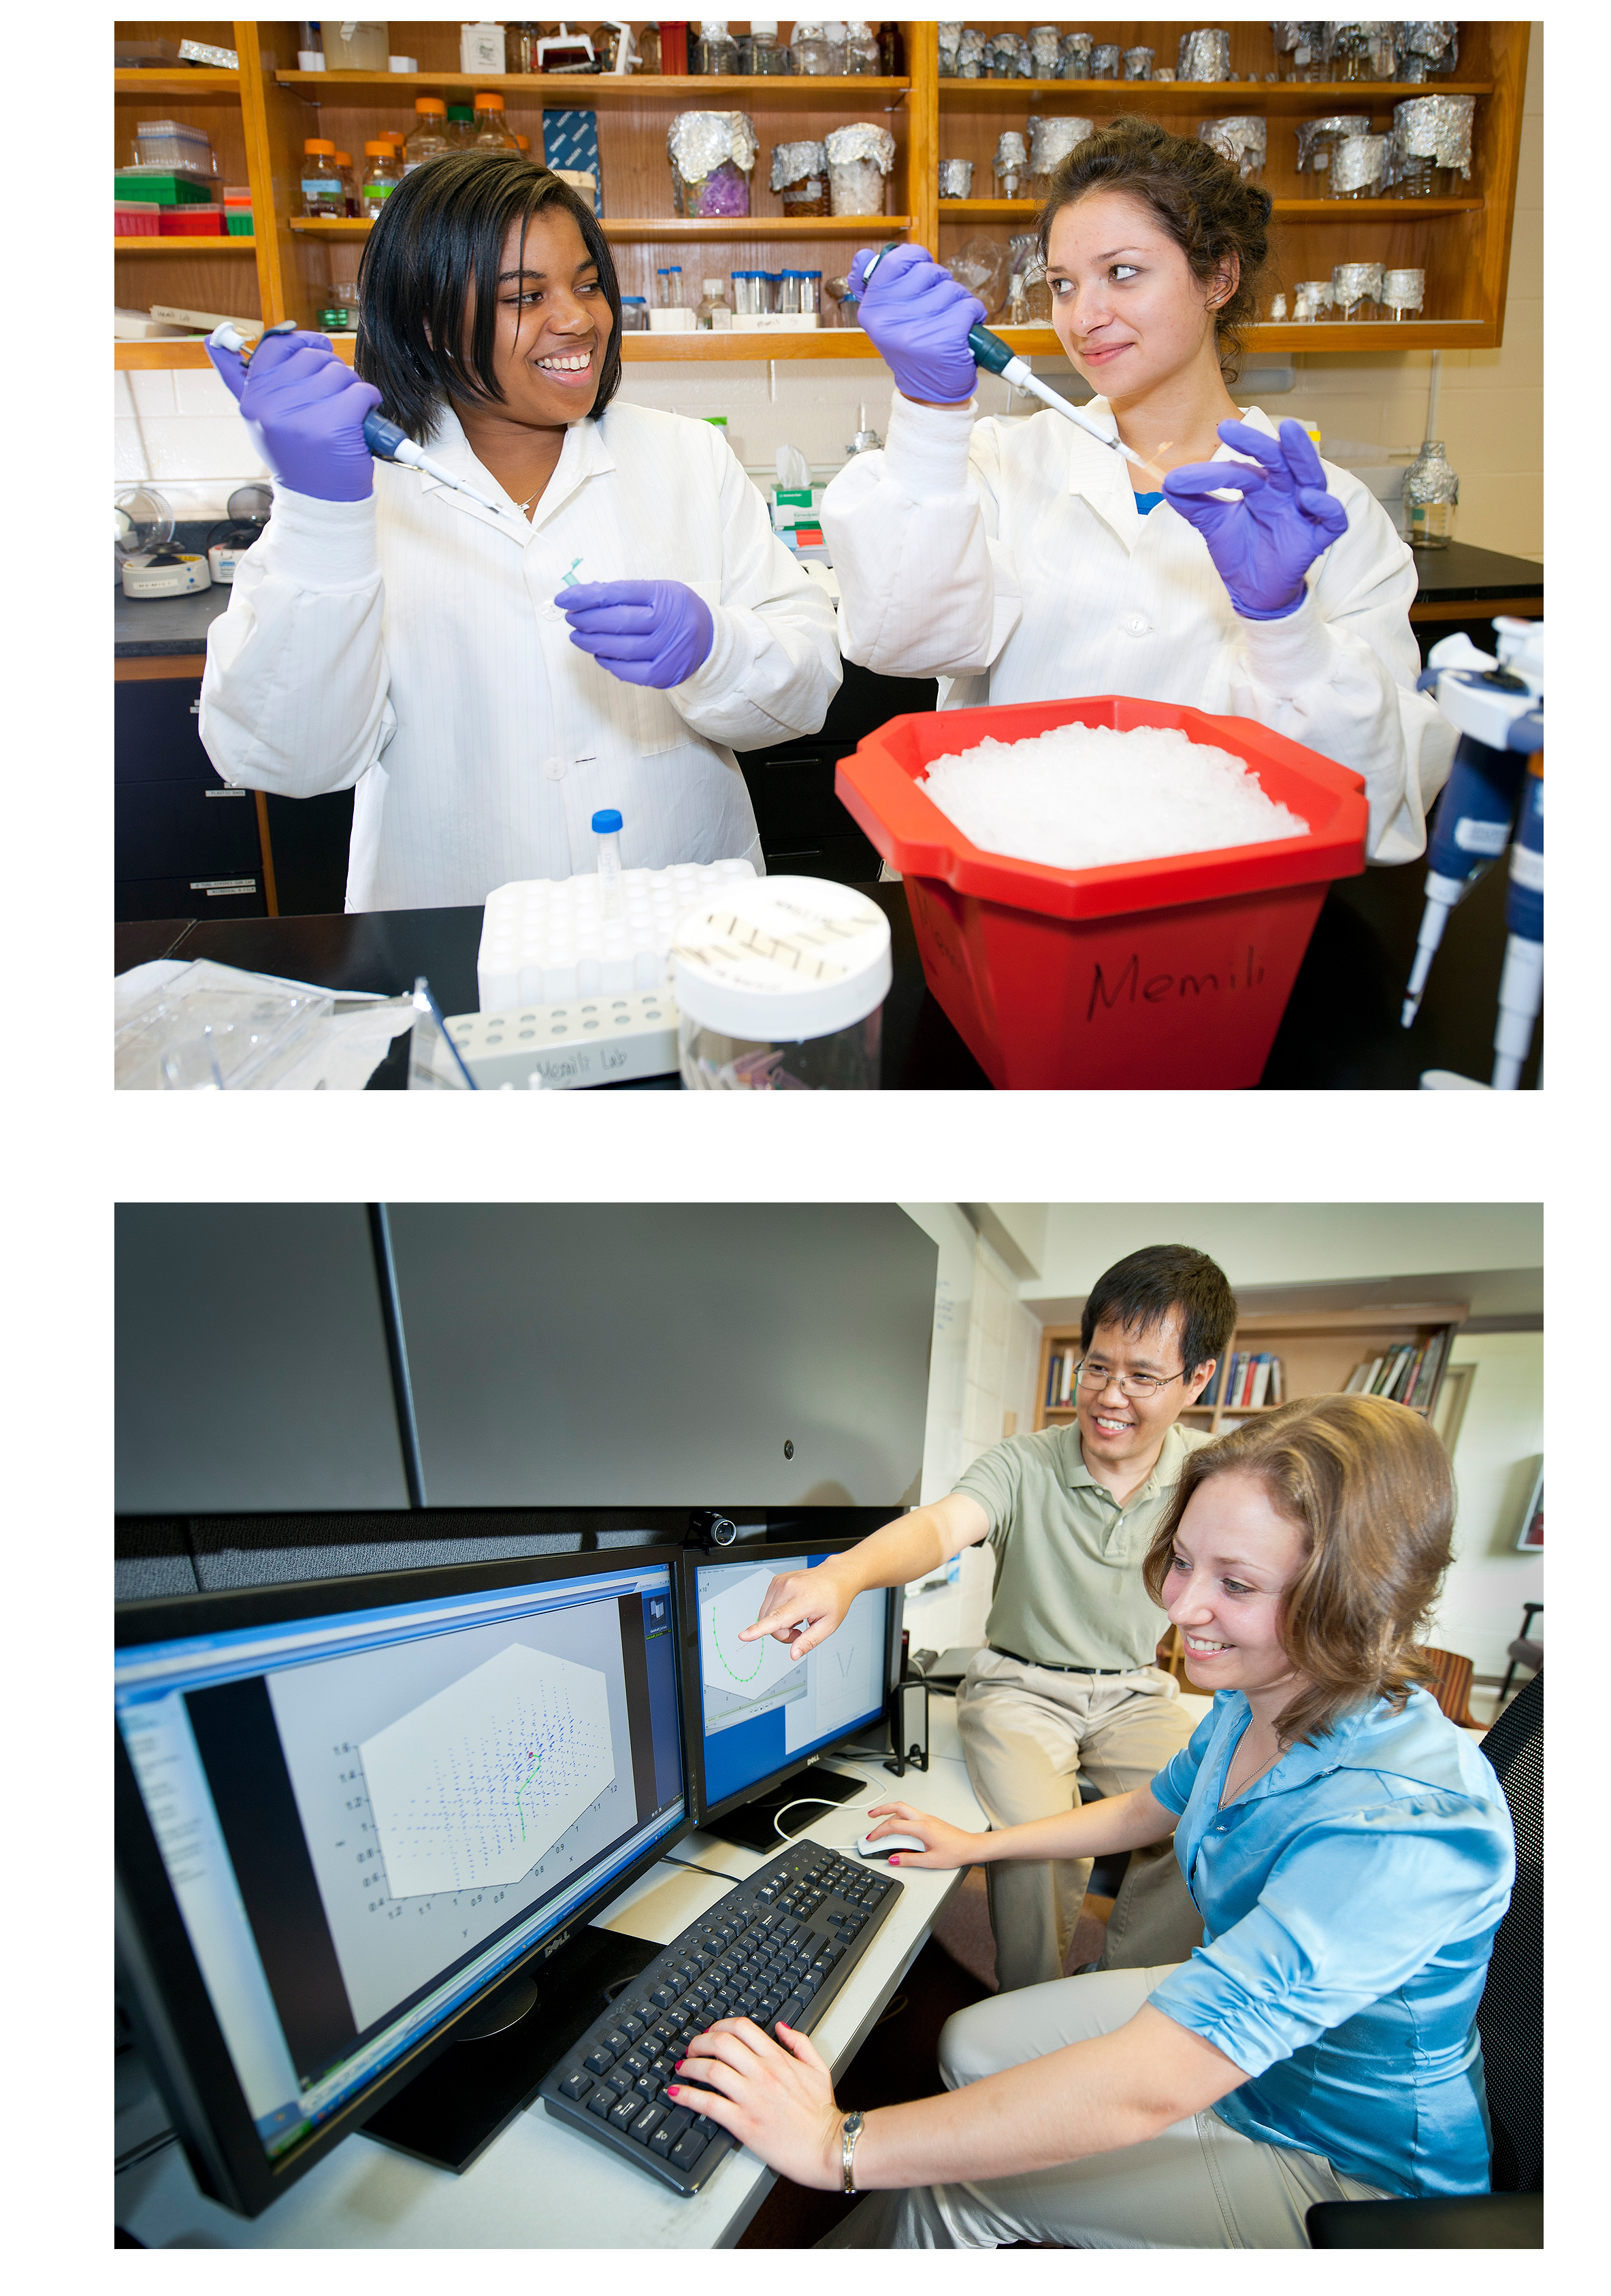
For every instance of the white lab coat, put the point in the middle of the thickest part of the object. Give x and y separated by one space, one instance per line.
1010 559
409 646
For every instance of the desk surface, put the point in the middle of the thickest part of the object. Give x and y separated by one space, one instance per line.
541 2185
1340 1031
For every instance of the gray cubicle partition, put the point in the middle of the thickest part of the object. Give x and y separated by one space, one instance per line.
568 1355
251 1364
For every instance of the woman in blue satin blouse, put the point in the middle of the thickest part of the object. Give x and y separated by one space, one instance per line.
1351 1852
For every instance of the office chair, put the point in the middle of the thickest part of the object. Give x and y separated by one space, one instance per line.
1450 1684
1523 1651
1510 2019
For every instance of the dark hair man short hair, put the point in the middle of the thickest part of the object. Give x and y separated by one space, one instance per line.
1138 1292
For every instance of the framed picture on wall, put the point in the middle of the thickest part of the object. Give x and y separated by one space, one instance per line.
1454 1390
1530 1538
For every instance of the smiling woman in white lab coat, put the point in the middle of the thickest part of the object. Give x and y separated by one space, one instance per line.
485 679
1023 561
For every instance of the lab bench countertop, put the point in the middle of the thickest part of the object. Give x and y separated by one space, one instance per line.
179 626
1340 1031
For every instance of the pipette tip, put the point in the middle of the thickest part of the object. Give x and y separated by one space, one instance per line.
1411 1006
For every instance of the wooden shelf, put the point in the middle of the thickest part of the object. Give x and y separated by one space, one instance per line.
586 91
1299 210
202 81
680 228
203 243
1209 97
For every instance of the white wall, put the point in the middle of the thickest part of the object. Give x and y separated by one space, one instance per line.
943 1462
1495 1458
1290 1243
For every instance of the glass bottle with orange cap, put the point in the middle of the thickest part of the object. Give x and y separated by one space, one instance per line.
382 173
350 187
492 130
428 139
322 190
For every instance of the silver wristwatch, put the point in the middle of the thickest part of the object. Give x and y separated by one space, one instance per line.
848 2134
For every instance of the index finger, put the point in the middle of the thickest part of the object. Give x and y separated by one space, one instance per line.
1199 481
1303 456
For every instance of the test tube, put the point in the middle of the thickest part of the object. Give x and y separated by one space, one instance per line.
606 828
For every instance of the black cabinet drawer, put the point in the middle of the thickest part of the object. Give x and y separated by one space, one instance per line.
154 732
185 829
213 898
792 790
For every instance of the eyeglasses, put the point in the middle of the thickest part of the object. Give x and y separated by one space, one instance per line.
1138 1385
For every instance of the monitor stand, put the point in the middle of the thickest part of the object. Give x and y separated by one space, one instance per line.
750 1824
451 2110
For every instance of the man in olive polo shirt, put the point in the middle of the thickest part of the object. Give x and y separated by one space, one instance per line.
1066 1681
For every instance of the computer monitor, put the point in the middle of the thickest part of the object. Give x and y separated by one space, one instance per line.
755 1717
347 1809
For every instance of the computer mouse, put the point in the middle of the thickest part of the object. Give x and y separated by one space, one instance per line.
887 1844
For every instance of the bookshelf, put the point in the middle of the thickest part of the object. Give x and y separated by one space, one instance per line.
1318 1351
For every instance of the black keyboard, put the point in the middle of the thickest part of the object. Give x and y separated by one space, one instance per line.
779 1945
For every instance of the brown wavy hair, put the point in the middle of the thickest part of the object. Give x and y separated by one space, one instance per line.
1209 212
1368 1483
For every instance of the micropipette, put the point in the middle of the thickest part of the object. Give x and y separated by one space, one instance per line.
997 358
383 440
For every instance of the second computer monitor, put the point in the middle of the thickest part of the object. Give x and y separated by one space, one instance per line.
753 1715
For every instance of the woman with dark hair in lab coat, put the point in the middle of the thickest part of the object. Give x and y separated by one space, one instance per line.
483 679
1024 561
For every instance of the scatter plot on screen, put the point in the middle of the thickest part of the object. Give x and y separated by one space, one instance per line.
475 1785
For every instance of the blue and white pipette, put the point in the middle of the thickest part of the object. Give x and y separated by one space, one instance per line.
1521 981
383 440
1496 711
997 358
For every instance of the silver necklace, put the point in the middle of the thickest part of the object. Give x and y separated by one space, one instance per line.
1258 1774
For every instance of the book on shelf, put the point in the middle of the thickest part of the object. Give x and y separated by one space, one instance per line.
1406 1374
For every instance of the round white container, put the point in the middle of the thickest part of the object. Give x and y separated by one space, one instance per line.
780 986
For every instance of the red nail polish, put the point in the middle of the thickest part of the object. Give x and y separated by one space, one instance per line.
679 2066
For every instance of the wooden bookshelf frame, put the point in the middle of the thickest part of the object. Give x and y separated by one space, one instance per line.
258 116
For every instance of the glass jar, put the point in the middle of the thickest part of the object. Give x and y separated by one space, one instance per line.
1011 170
1356 289
956 179
712 154
972 61
715 51
1045 50
491 131
634 314
769 56
324 194
816 52
1403 291
381 177
350 186
355 47
1240 140
1017 302
1051 143
859 158
1075 62
713 312
428 139
1432 492
860 49
519 47
461 127
1104 61
800 177
667 287
756 1013
1317 139
1009 56
1358 167
1203 57
1137 63
1311 297
1362 51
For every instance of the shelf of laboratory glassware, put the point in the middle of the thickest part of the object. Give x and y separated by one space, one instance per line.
1292 211
659 227
567 91
203 81
217 242
1228 96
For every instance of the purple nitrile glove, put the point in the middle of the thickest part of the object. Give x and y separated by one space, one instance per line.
307 407
643 633
1261 545
918 316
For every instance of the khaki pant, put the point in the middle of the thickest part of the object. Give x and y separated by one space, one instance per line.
1199 2184
1028 1732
